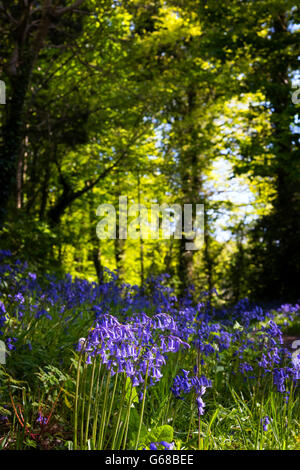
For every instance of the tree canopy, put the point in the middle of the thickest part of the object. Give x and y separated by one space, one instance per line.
175 102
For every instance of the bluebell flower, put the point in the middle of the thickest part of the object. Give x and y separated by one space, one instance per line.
265 422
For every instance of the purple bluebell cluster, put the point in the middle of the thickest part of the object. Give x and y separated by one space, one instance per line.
265 421
184 383
137 348
42 419
3 317
163 444
135 329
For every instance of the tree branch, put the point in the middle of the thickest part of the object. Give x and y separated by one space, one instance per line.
63 10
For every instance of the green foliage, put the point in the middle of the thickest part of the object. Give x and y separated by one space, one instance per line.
174 102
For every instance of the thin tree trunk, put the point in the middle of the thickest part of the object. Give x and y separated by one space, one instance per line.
95 242
141 235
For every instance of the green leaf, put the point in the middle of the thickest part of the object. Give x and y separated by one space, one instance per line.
161 433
